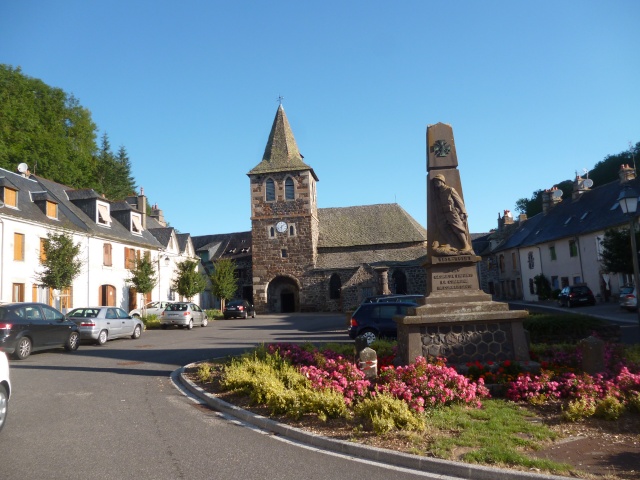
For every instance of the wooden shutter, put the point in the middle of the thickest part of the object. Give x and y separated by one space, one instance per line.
43 254
106 255
18 246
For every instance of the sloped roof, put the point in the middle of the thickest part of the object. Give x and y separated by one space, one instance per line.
368 225
281 153
596 210
335 258
162 235
229 245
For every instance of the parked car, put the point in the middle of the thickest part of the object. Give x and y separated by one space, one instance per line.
628 298
152 308
29 327
239 309
183 314
100 324
394 298
574 295
375 320
5 389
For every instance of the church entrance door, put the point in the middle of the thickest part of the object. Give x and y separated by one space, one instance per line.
283 295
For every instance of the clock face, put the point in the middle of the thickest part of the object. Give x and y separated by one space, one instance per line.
281 227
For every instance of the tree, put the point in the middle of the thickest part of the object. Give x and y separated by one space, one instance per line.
189 281
61 261
616 251
224 282
143 276
45 128
543 287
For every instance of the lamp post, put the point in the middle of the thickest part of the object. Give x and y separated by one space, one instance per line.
628 200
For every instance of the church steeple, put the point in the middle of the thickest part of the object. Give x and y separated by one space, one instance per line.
281 153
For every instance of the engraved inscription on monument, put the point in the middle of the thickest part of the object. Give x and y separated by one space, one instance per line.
456 280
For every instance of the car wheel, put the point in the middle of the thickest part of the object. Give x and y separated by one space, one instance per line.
73 342
136 332
370 336
4 405
245 315
23 349
102 337
205 322
190 326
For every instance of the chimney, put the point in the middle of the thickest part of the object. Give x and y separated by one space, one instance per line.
506 219
141 205
522 218
158 215
626 173
580 185
550 198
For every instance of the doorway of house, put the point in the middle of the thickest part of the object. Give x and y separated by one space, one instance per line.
283 295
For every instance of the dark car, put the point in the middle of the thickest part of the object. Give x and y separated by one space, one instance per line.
239 309
375 320
576 295
28 327
394 298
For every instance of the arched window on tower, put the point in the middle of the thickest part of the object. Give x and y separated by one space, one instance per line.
289 191
335 284
270 188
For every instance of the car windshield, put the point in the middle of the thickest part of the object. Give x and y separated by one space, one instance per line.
84 312
626 290
234 303
177 307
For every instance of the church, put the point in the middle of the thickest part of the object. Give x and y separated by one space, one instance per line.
301 258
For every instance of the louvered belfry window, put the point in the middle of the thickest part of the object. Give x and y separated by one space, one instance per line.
289 191
270 190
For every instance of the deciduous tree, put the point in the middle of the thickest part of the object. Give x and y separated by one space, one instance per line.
61 261
189 281
224 282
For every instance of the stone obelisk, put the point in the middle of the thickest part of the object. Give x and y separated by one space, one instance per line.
458 321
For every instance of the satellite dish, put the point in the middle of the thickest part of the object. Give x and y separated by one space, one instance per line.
588 183
23 167
557 193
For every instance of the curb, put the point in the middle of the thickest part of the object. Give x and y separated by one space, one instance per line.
398 459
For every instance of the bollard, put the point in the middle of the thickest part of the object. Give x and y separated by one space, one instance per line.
366 358
592 349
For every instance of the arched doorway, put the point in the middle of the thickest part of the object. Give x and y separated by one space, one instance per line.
400 282
283 295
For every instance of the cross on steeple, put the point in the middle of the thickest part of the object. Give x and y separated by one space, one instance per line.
280 99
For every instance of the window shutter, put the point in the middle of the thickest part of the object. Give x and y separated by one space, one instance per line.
270 190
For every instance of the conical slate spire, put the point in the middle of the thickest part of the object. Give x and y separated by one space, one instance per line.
281 153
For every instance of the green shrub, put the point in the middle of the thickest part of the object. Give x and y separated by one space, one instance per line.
214 314
633 402
579 409
326 403
609 408
204 373
151 321
384 413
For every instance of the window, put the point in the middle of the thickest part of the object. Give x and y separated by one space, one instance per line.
284 253
66 298
531 261
43 253
18 247
289 191
552 253
514 263
136 223
335 285
554 283
52 210
129 258
18 292
270 189
272 232
106 255
531 286
103 215
501 263
577 280
292 230
573 248
10 197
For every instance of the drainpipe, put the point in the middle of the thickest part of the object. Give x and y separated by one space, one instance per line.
2 259
580 259
88 269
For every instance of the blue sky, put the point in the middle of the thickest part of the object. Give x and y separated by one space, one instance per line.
534 91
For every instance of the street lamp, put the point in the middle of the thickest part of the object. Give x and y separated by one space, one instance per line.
628 200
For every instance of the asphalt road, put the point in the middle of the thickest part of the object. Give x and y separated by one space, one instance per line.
113 412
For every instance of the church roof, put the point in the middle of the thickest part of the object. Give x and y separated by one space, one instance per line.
368 225
281 153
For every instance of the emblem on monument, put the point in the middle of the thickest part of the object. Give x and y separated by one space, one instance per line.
441 148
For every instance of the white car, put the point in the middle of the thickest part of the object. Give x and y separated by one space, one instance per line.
153 308
5 389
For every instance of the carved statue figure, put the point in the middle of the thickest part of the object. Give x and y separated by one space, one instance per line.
451 216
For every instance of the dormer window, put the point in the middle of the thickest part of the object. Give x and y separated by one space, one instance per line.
10 197
289 190
52 209
103 215
136 223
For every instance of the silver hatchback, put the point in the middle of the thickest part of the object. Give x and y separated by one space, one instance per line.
183 314
100 324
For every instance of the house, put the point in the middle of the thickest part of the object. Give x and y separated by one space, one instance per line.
111 235
298 257
563 243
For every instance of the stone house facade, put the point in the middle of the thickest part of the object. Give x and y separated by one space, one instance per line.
305 258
